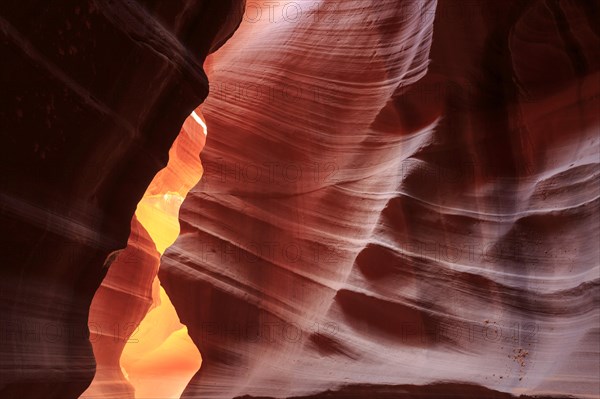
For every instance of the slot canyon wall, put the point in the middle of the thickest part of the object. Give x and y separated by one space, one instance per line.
94 94
141 348
399 199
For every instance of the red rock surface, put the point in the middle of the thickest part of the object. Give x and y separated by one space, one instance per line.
397 194
400 198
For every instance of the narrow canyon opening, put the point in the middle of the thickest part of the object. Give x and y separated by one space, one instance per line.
141 347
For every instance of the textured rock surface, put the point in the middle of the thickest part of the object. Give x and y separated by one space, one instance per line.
373 220
118 308
94 93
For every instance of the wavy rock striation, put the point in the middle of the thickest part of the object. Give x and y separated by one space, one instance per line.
95 93
118 308
397 194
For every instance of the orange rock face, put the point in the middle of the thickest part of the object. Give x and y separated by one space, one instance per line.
141 348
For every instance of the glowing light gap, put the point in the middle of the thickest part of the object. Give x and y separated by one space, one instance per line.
200 121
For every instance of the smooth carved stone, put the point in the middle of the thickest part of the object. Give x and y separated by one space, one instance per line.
117 309
397 194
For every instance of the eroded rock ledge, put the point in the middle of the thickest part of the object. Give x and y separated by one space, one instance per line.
431 391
